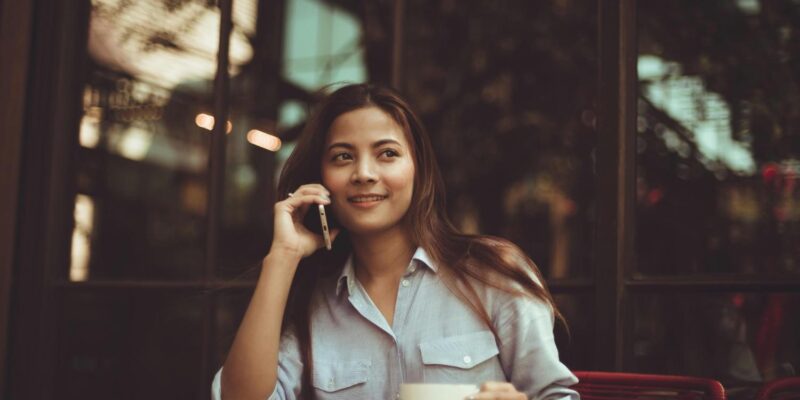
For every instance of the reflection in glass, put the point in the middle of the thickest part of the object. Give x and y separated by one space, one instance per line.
206 122
264 140
718 154
166 42
322 44
143 159
507 91
741 339
81 238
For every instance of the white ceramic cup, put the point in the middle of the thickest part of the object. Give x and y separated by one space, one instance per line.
436 391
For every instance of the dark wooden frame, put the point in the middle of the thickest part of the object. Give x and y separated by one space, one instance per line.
52 110
216 184
616 118
15 38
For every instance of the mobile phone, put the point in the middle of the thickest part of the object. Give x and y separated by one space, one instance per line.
325 231
321 224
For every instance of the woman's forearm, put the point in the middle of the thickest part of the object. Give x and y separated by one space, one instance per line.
250 370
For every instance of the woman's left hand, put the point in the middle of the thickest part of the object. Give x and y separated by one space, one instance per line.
499 391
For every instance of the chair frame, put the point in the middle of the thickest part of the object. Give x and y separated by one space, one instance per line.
777 386
713 389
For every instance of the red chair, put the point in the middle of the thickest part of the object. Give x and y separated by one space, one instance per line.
596 385
781 389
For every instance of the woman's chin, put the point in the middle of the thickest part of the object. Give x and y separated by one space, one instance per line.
364 228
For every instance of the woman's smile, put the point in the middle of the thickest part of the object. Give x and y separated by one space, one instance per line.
366 200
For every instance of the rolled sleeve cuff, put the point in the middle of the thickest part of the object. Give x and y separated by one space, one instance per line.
216 388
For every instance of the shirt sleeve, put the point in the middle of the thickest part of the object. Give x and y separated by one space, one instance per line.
528 351
290 371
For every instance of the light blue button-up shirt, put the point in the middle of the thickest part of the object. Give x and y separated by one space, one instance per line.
434 338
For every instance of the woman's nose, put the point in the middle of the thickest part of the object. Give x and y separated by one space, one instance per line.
364 172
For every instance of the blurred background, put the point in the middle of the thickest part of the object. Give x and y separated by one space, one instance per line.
646 154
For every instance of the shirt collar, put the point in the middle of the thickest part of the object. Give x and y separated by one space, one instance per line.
348 276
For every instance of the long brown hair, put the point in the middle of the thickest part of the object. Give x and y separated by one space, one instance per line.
462 259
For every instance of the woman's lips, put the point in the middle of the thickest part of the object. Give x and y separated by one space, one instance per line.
366 201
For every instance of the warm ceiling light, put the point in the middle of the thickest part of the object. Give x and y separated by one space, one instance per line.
264 140
206 122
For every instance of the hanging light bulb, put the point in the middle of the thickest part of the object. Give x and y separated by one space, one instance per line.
264 140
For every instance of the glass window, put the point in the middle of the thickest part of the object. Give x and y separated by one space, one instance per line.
718 148
128 345
507 91
323 44
231 306
575 341
144 138
741 339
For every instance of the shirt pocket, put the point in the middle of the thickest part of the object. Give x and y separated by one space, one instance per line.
339 379
469 358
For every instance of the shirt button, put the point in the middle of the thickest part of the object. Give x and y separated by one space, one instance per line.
467 360
413 268
405 282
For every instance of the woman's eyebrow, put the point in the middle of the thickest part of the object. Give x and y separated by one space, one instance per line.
349 146
341 144
382 142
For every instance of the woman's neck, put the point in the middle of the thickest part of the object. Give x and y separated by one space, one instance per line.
383 257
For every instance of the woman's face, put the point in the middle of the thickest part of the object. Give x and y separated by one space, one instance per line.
368 166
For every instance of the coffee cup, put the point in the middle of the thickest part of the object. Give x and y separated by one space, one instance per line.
436 391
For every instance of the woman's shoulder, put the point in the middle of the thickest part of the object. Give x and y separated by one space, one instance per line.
502 261
503 248
502 272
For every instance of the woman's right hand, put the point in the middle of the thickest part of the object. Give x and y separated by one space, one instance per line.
290 235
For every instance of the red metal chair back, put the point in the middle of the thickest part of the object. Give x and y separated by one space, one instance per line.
597 385
781 389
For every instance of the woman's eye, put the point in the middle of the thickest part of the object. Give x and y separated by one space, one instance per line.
341 157
389 153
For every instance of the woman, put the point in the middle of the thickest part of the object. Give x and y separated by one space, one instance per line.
403 296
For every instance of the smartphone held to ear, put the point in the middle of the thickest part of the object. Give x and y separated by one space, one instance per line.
318 223
323 219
